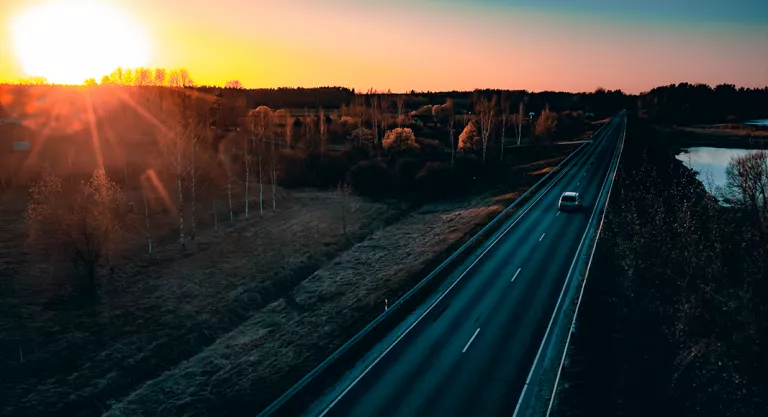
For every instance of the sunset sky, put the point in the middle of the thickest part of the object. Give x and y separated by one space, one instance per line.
569 45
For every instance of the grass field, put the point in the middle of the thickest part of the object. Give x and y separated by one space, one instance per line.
225 325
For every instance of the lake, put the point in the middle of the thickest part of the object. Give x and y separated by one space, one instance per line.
760 122
710 163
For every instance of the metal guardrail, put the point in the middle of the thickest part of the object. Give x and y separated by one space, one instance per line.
557 311
557 172
586 274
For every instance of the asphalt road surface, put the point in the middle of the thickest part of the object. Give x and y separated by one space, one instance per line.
470 354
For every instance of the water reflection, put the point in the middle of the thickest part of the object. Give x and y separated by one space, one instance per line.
710 163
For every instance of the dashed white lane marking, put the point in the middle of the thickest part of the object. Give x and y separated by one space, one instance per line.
558 213
542 236
470 340
518 271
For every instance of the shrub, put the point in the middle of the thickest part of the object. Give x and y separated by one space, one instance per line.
428 146
468 137
434 181
370 179
468 170
293 172
405 172
399 138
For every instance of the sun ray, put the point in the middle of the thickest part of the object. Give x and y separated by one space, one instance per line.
94 131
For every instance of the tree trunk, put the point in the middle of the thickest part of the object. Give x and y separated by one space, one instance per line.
261 187
182 236
229 196
274 176
453 146
503 131
247 192
146 219
193 186
215 216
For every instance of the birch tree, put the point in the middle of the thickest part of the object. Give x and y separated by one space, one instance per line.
248 144
450 118
400 109
176 144
519 123
288 127
504 119
323 130
486 109
307 128
359 103
144 186
264 129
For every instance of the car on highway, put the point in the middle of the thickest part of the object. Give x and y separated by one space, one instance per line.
569 201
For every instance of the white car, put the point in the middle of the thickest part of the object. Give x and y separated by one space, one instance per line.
569 201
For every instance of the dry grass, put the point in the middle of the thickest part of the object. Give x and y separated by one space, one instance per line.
152 316
241 372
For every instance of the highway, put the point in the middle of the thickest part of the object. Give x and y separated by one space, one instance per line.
471 352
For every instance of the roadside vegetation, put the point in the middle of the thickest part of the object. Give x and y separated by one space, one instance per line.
672 320
150 218
181 249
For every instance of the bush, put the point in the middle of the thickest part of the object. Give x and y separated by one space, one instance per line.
370 179
405 172
428 146
292 169
434 181
398 139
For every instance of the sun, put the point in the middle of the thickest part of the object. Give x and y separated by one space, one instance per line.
68 42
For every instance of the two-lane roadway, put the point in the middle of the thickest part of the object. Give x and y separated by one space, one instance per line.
470 353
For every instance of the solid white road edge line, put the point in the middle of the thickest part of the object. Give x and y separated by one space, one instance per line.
448 290
470 340
584 282
559 300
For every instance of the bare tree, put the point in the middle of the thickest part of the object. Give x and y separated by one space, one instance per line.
486 110
264 128
176 145
747 184
450 117
361 136
174 79
323 130
546 125
359 105
185 78
288 127
400 109
436 113
144 187
519 123
307 127
197 127
504 119
234 84
84 229
160 77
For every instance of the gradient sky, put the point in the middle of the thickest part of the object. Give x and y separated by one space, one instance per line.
568 45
